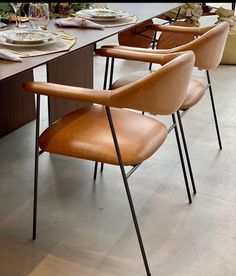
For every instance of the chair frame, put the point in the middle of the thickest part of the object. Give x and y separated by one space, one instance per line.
124 177
174 125
196 32
111 100
209 86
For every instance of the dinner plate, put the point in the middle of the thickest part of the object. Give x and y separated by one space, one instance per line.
30 37
38 43
102 14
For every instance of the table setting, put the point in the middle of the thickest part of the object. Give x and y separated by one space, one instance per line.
72 67
31 37
107 17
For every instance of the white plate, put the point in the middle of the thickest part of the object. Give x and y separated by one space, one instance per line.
27 37
4 42
95 15
102 13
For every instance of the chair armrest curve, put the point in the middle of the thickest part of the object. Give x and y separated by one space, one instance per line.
136 54
179 29
68 92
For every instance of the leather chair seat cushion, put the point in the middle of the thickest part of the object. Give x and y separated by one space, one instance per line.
195 92
85 133
131 77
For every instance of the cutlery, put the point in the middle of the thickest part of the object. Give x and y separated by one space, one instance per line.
64 35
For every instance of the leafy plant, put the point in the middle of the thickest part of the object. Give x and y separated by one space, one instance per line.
6 12
70 7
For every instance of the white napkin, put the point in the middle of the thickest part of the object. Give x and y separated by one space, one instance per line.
7 55
77 22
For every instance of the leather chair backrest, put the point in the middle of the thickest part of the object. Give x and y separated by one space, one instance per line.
209 47
168 40
161 92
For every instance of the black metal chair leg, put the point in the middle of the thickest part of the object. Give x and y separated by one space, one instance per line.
102 167
213 109
181 159
36 168
186 151
104 88
105 84
128 191
153 47
95 170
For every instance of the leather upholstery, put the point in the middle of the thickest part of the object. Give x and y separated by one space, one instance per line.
158 93
85 133
68 92
195 92
179 29
208 48
164 97
132 77
132 37
145 55
170 39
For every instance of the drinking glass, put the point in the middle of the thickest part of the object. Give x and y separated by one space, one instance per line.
38 15
16 7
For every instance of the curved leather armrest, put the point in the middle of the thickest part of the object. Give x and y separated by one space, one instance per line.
179 29
68 92
136 49
135 54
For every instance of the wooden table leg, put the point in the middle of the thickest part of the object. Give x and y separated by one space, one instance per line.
17 106
75 69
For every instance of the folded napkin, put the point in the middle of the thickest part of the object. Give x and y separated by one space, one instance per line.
77 22
7 55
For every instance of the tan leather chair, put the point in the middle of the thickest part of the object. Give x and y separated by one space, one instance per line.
208 47
119 139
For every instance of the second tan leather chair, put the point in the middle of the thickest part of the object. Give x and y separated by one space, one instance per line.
107 132
208 47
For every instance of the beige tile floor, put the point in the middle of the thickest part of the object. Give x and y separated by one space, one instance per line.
85 228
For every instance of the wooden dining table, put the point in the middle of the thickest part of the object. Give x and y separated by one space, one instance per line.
72 67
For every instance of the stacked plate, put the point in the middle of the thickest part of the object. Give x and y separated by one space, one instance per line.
101 14
27 38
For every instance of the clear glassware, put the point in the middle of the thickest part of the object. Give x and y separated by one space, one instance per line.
17 8
38 15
